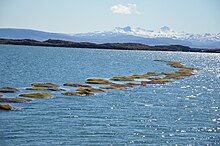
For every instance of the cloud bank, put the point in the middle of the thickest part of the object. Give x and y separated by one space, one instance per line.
125 9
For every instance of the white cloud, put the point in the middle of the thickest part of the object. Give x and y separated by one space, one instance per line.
125 9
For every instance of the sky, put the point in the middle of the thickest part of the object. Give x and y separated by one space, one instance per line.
78 16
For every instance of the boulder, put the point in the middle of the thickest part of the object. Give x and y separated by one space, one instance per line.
37 95
8 90
98 81
5 107
14 100
76 85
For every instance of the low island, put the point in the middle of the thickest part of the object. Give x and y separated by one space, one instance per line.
115 46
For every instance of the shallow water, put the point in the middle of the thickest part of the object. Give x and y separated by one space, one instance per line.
185 112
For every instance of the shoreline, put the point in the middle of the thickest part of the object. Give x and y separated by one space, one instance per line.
111 46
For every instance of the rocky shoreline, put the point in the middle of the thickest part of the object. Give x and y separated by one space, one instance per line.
114 46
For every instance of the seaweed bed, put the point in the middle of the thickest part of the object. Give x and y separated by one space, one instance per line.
87 89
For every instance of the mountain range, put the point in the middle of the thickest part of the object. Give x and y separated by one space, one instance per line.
164 36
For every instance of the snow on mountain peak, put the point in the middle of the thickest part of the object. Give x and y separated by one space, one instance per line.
165 29
123 29
164 32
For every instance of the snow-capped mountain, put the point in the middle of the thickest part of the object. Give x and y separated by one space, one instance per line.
163 36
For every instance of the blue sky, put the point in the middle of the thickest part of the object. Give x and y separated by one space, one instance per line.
74 16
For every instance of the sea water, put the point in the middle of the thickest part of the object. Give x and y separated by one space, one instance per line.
184 112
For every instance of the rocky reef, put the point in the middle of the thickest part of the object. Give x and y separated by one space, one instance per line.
76 85
78 93
90 89
14 100
5 107
118 87
8 90
92 85
98 81
44 86
37 95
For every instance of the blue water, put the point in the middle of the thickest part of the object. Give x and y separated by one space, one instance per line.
185 112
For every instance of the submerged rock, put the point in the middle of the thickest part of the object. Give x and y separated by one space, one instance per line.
98 81
5 107
1 95
37 95
161 60
78 93
14 100
90 89
76 85
8 90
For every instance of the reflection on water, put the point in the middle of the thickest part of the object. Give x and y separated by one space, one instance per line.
185 112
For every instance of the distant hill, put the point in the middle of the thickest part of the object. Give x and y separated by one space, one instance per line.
116 46
165 36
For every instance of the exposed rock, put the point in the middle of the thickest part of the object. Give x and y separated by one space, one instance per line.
167 73
78 93
156 81
14 100
8 90
133 84
46 85
44 88
90 89
123 78
5 107
176 64
98 81
153 74
76 85
173 64
135 76
180 74
119 87
37 95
